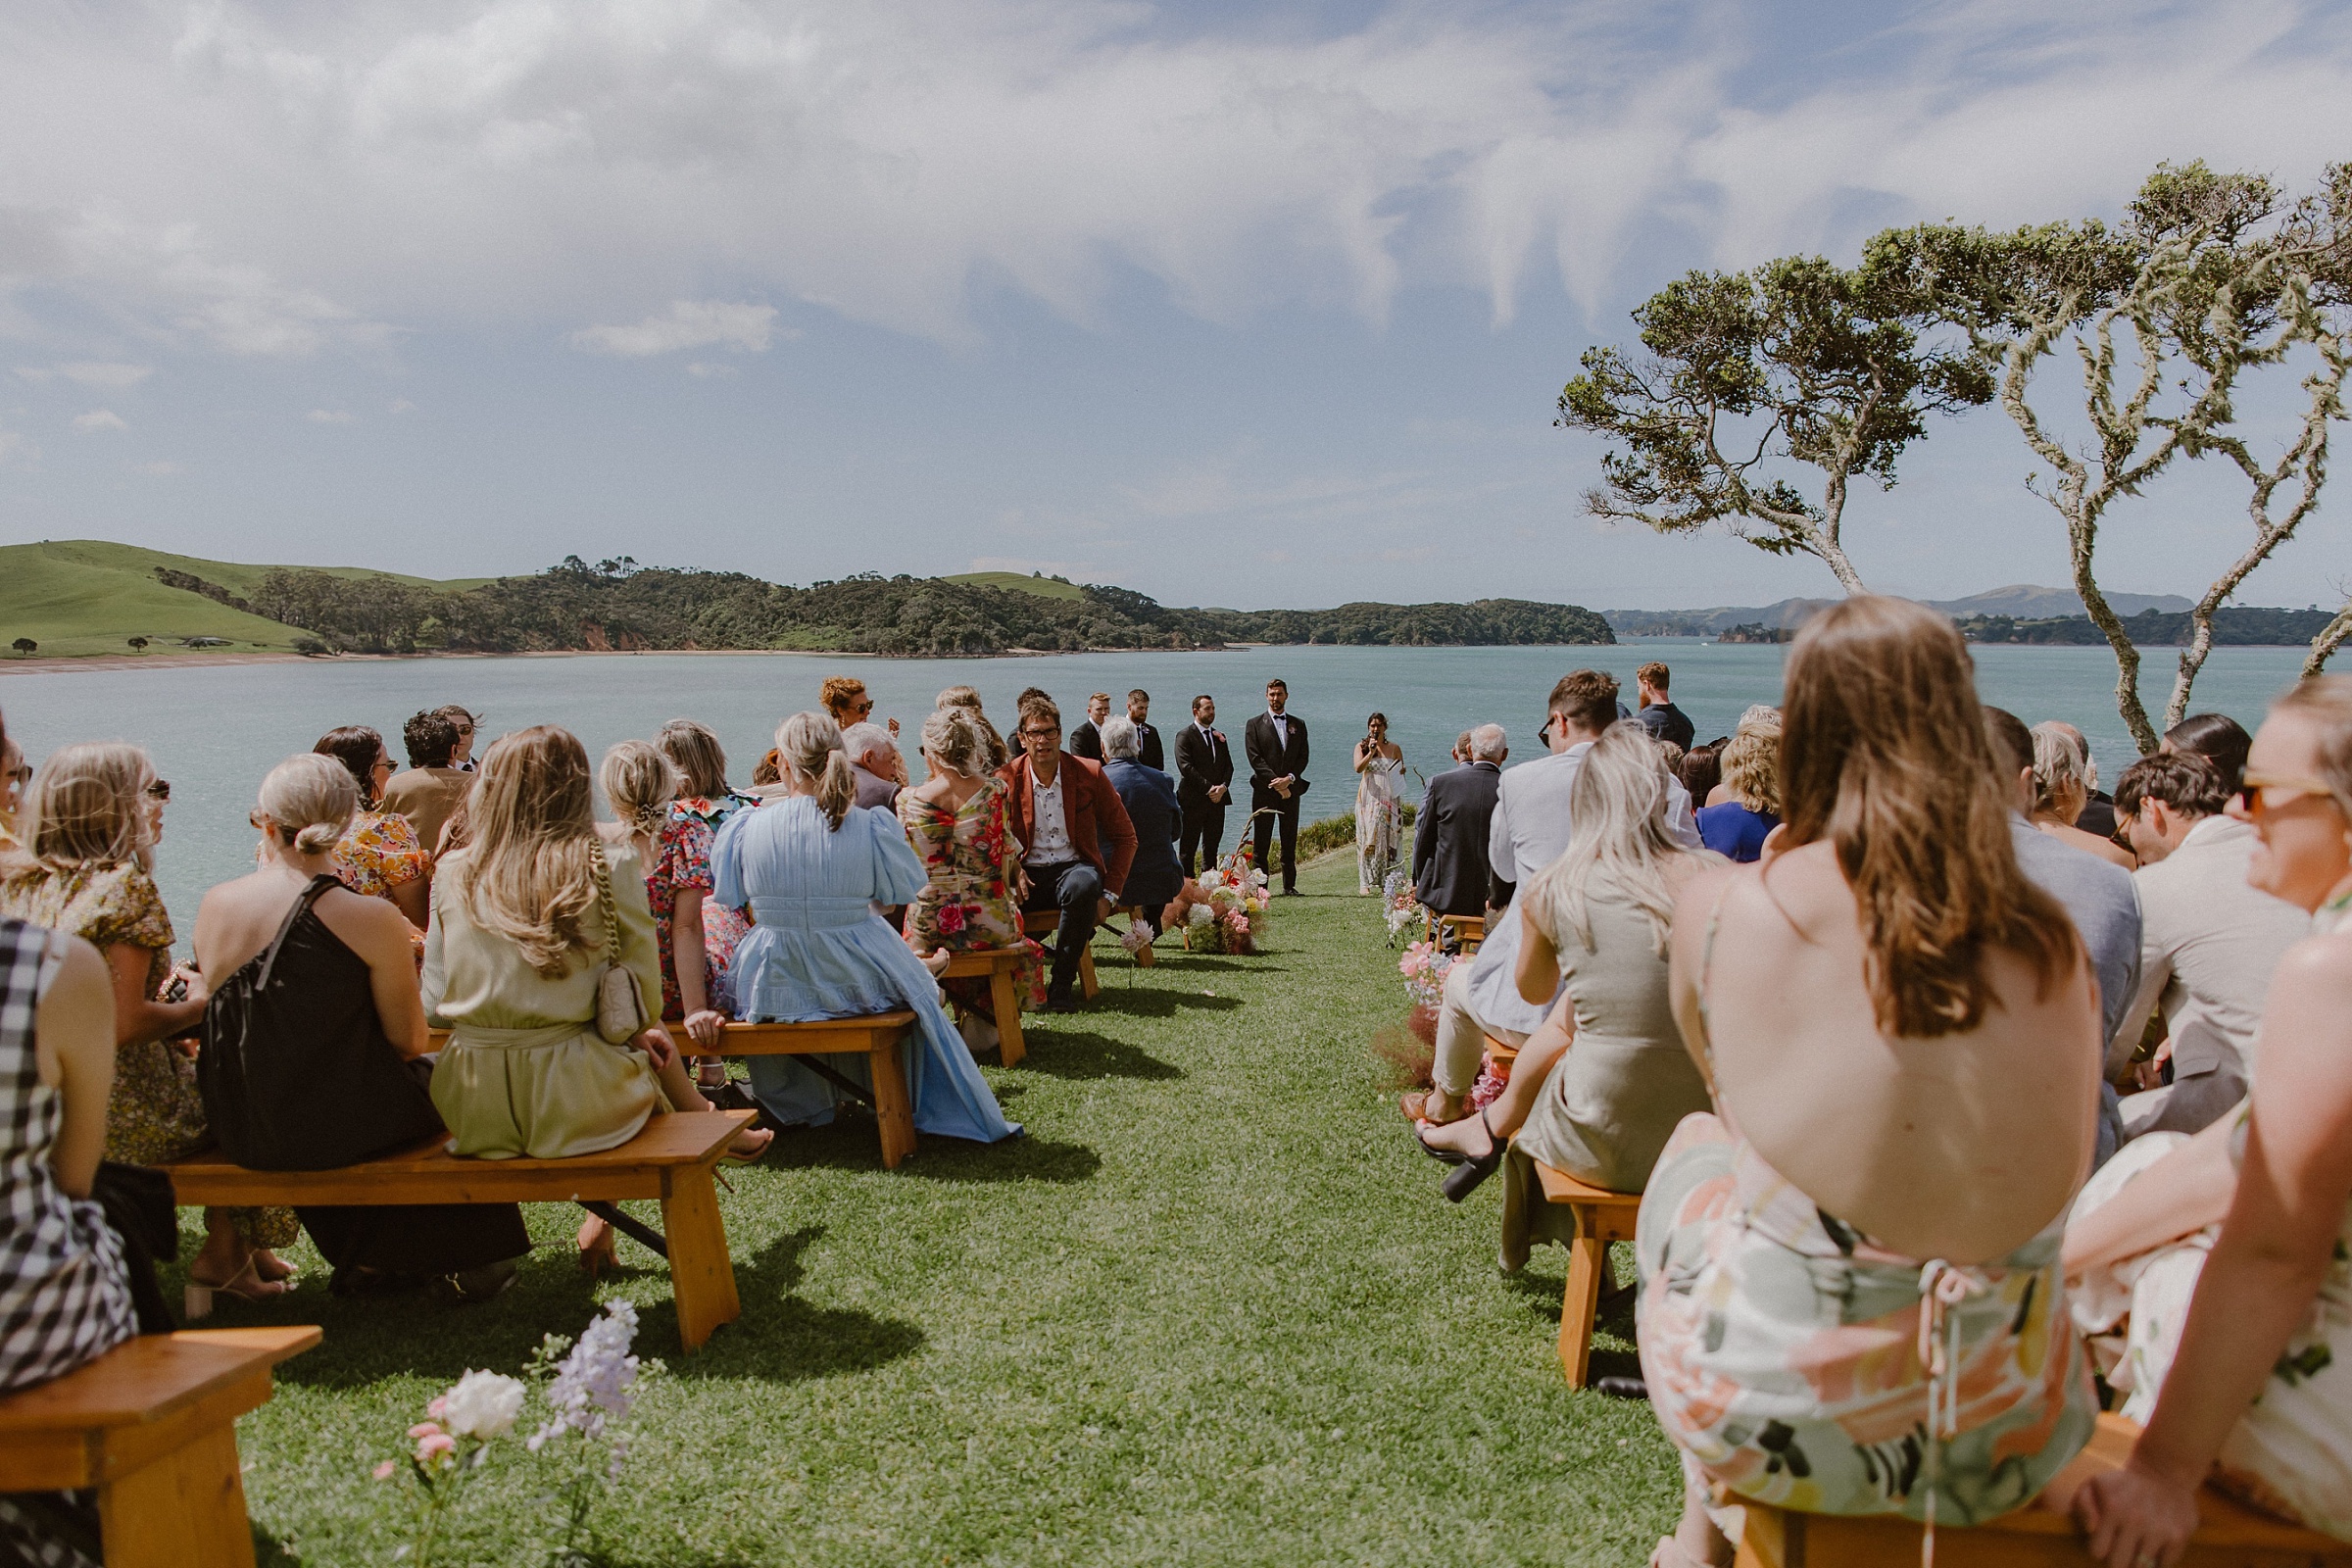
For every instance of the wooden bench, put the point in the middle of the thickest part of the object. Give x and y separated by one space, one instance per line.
671 1159
1143 955
1602 1217
999 965
2040 1535
152 1426
877 1037
1503 1056
1469 929
1043 923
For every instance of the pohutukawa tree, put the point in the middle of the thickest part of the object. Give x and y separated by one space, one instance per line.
1751 379
2210 276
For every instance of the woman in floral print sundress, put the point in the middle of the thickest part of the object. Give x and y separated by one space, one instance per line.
956 822
380 856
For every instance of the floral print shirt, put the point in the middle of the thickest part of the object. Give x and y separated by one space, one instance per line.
379 851
681 862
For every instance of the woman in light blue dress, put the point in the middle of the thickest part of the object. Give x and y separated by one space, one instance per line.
811 868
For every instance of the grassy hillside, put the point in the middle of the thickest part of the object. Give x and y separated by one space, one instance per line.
77 597
1013 581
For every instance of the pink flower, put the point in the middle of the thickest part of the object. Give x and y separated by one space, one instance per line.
439 1443
426 1429
437 1410
951 917
386 1470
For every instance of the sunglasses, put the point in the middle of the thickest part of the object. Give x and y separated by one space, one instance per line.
19 776
159 790
2260 792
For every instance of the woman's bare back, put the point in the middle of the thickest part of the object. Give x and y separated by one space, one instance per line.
1961 1146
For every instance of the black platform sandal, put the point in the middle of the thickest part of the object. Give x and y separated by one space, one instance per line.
1464 1181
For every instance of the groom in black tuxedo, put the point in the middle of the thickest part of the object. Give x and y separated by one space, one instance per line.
1276 744
1203 785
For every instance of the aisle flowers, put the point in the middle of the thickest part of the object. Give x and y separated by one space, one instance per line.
1405 909
451 1447
591 1386
1233 916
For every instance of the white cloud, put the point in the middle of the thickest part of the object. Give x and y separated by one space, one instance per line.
157 469
686 325
329 417
400 406
704 369
15 451
99 419
89 373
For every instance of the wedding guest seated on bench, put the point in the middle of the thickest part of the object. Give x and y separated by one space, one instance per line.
64 1299
1903 1040
810 866
2258 1393
312 1023
956 821
1157 885
528 919
1598 1090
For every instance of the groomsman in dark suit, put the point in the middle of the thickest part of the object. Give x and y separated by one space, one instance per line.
1087 739
1276 744
1139 709
1204 784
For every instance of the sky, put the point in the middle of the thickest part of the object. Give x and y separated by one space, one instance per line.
1232 304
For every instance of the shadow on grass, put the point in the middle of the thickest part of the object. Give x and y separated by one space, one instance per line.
1156 1002
1079 1055
1612 1355
1181 963
781 1338
851 1144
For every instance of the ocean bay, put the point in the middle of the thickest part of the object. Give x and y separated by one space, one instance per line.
214 730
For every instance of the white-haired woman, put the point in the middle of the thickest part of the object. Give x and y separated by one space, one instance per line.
2062 789
303 967
810 867
1600 1088
87 868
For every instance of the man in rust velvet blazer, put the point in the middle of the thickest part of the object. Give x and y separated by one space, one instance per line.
1076 840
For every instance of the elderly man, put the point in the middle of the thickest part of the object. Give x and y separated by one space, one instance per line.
876 762
2207 943
1529 830
1450 833
1076 840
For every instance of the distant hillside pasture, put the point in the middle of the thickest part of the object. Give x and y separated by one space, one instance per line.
1015 582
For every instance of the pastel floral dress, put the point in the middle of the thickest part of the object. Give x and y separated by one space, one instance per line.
682 863
971 858
379 851
155 1113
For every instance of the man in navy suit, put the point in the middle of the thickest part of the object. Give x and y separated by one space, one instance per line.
1276 744
1451 873
1203 785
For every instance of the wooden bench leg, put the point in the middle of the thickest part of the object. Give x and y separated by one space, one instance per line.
894 1110
1588 1266
702 1277
1006 998
186 1507
1085 973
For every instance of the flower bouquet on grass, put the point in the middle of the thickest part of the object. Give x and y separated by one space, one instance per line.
1233 916
1403 907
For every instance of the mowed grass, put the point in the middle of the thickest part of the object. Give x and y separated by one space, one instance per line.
1212 1309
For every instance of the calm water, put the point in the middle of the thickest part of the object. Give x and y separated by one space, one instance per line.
215 731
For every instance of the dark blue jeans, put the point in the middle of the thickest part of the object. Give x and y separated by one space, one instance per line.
1075 888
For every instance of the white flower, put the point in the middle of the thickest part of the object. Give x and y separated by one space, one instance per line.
1212 879
1258 877
483 1405
1199 914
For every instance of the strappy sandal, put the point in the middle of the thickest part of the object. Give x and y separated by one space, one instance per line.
1475 1168
196 1299
751 1156
1416 1106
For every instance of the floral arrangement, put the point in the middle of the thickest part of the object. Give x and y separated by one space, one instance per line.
1424 968
589 1388
1233 916
1404 906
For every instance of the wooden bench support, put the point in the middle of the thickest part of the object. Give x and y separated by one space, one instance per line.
2040 1535
1143 955
1470 929
878 1038
1043 923
999 965
671 1159
152 1426
1602 1217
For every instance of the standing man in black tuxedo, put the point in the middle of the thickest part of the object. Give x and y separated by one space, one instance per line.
1087 739
1139 709
1204 784
1276 743
1450 874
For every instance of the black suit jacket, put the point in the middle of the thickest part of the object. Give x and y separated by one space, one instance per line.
1450 839
1269 760
1149 753
1202 764
1086 741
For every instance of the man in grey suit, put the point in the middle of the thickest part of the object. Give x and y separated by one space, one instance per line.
1530 829
1450 832
2098 894
2208 943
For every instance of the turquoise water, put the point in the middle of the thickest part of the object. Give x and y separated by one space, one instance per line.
215 731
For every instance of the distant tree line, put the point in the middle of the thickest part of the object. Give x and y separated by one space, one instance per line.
2245 627
622 605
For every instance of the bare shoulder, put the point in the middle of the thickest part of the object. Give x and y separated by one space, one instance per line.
2316 969
81 974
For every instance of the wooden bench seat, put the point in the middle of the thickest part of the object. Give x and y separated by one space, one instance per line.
1502 1055
877 1037
1602 1217
152 1426
2042 1535
671 1160
1043 923
1470 929
999 965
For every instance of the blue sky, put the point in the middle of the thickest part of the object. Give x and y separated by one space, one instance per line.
1231 304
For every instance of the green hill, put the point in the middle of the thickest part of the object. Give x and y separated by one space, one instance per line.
1014 582
77 597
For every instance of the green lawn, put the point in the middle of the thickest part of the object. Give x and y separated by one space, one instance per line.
1020 582
1210 1310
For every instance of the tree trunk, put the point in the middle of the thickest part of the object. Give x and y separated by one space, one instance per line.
2127 653
2332 637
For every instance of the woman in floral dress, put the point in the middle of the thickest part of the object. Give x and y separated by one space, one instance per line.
956 822
87 839
381 857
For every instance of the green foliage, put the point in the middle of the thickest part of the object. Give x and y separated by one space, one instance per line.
1799 361
25 646
2248 627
